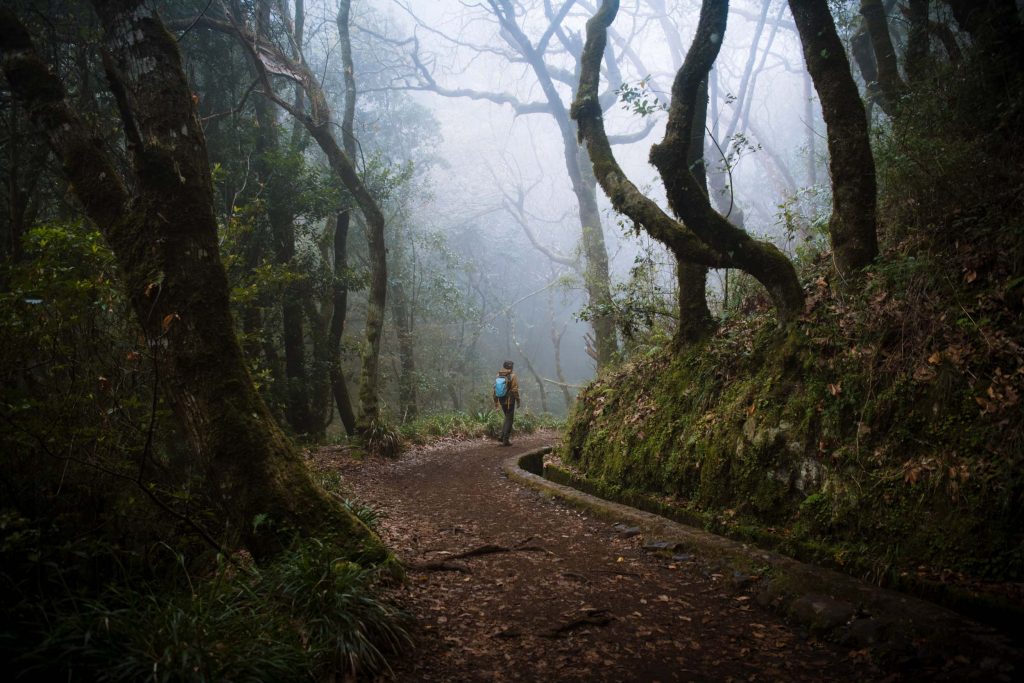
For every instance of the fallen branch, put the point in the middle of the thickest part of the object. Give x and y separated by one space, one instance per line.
490 549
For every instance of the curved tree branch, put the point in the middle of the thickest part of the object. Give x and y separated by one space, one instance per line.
685 195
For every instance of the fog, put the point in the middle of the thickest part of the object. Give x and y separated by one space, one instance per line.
491 167
470 74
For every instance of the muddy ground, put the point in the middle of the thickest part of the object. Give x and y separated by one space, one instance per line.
507 584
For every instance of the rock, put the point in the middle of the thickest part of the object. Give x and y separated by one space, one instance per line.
629 532
750 428
769 594
682 557
808 475
821 613
657 546
767 437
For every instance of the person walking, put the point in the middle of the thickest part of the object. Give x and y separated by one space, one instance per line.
506 397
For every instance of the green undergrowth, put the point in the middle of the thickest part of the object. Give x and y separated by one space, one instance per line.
310 614
882 433
462 425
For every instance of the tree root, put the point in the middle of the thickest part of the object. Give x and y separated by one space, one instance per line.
447 564
588 617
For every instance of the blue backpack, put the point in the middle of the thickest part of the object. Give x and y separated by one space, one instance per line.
501 386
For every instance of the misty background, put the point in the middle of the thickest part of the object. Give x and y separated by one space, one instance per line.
490 170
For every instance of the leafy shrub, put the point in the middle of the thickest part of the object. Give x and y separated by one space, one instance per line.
367 514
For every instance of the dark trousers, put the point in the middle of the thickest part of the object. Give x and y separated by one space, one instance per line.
509 408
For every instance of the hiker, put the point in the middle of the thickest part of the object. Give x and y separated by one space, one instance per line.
506 397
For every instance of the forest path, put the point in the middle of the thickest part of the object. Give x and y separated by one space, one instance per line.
557 595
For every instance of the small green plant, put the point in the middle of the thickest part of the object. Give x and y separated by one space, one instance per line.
380 438
366 513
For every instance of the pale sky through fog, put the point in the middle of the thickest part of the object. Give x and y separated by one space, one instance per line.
488 149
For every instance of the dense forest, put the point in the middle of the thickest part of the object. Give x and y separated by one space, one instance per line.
759 265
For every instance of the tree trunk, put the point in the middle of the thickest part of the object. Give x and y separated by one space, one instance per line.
916 57
812 134
321 407
282 234
695 319
597 278
852 227
890 84
164 236
339 286
688 198
402 317
339 293
369 390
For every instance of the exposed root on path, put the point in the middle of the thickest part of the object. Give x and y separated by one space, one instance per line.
588 617
449 565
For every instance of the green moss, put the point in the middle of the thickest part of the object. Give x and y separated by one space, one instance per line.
782 436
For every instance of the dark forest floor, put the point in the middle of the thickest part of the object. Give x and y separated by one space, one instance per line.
555 595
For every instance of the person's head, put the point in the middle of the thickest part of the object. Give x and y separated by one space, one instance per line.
507 365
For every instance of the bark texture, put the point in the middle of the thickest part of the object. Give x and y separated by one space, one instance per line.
852 228
403 317
164 235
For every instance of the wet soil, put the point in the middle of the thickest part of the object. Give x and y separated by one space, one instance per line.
507 585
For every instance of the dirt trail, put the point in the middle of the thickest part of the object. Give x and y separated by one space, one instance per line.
556 595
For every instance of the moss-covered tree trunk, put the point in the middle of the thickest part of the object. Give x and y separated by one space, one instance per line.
852 228
339 296
403 317
695 319
597 278
164 235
